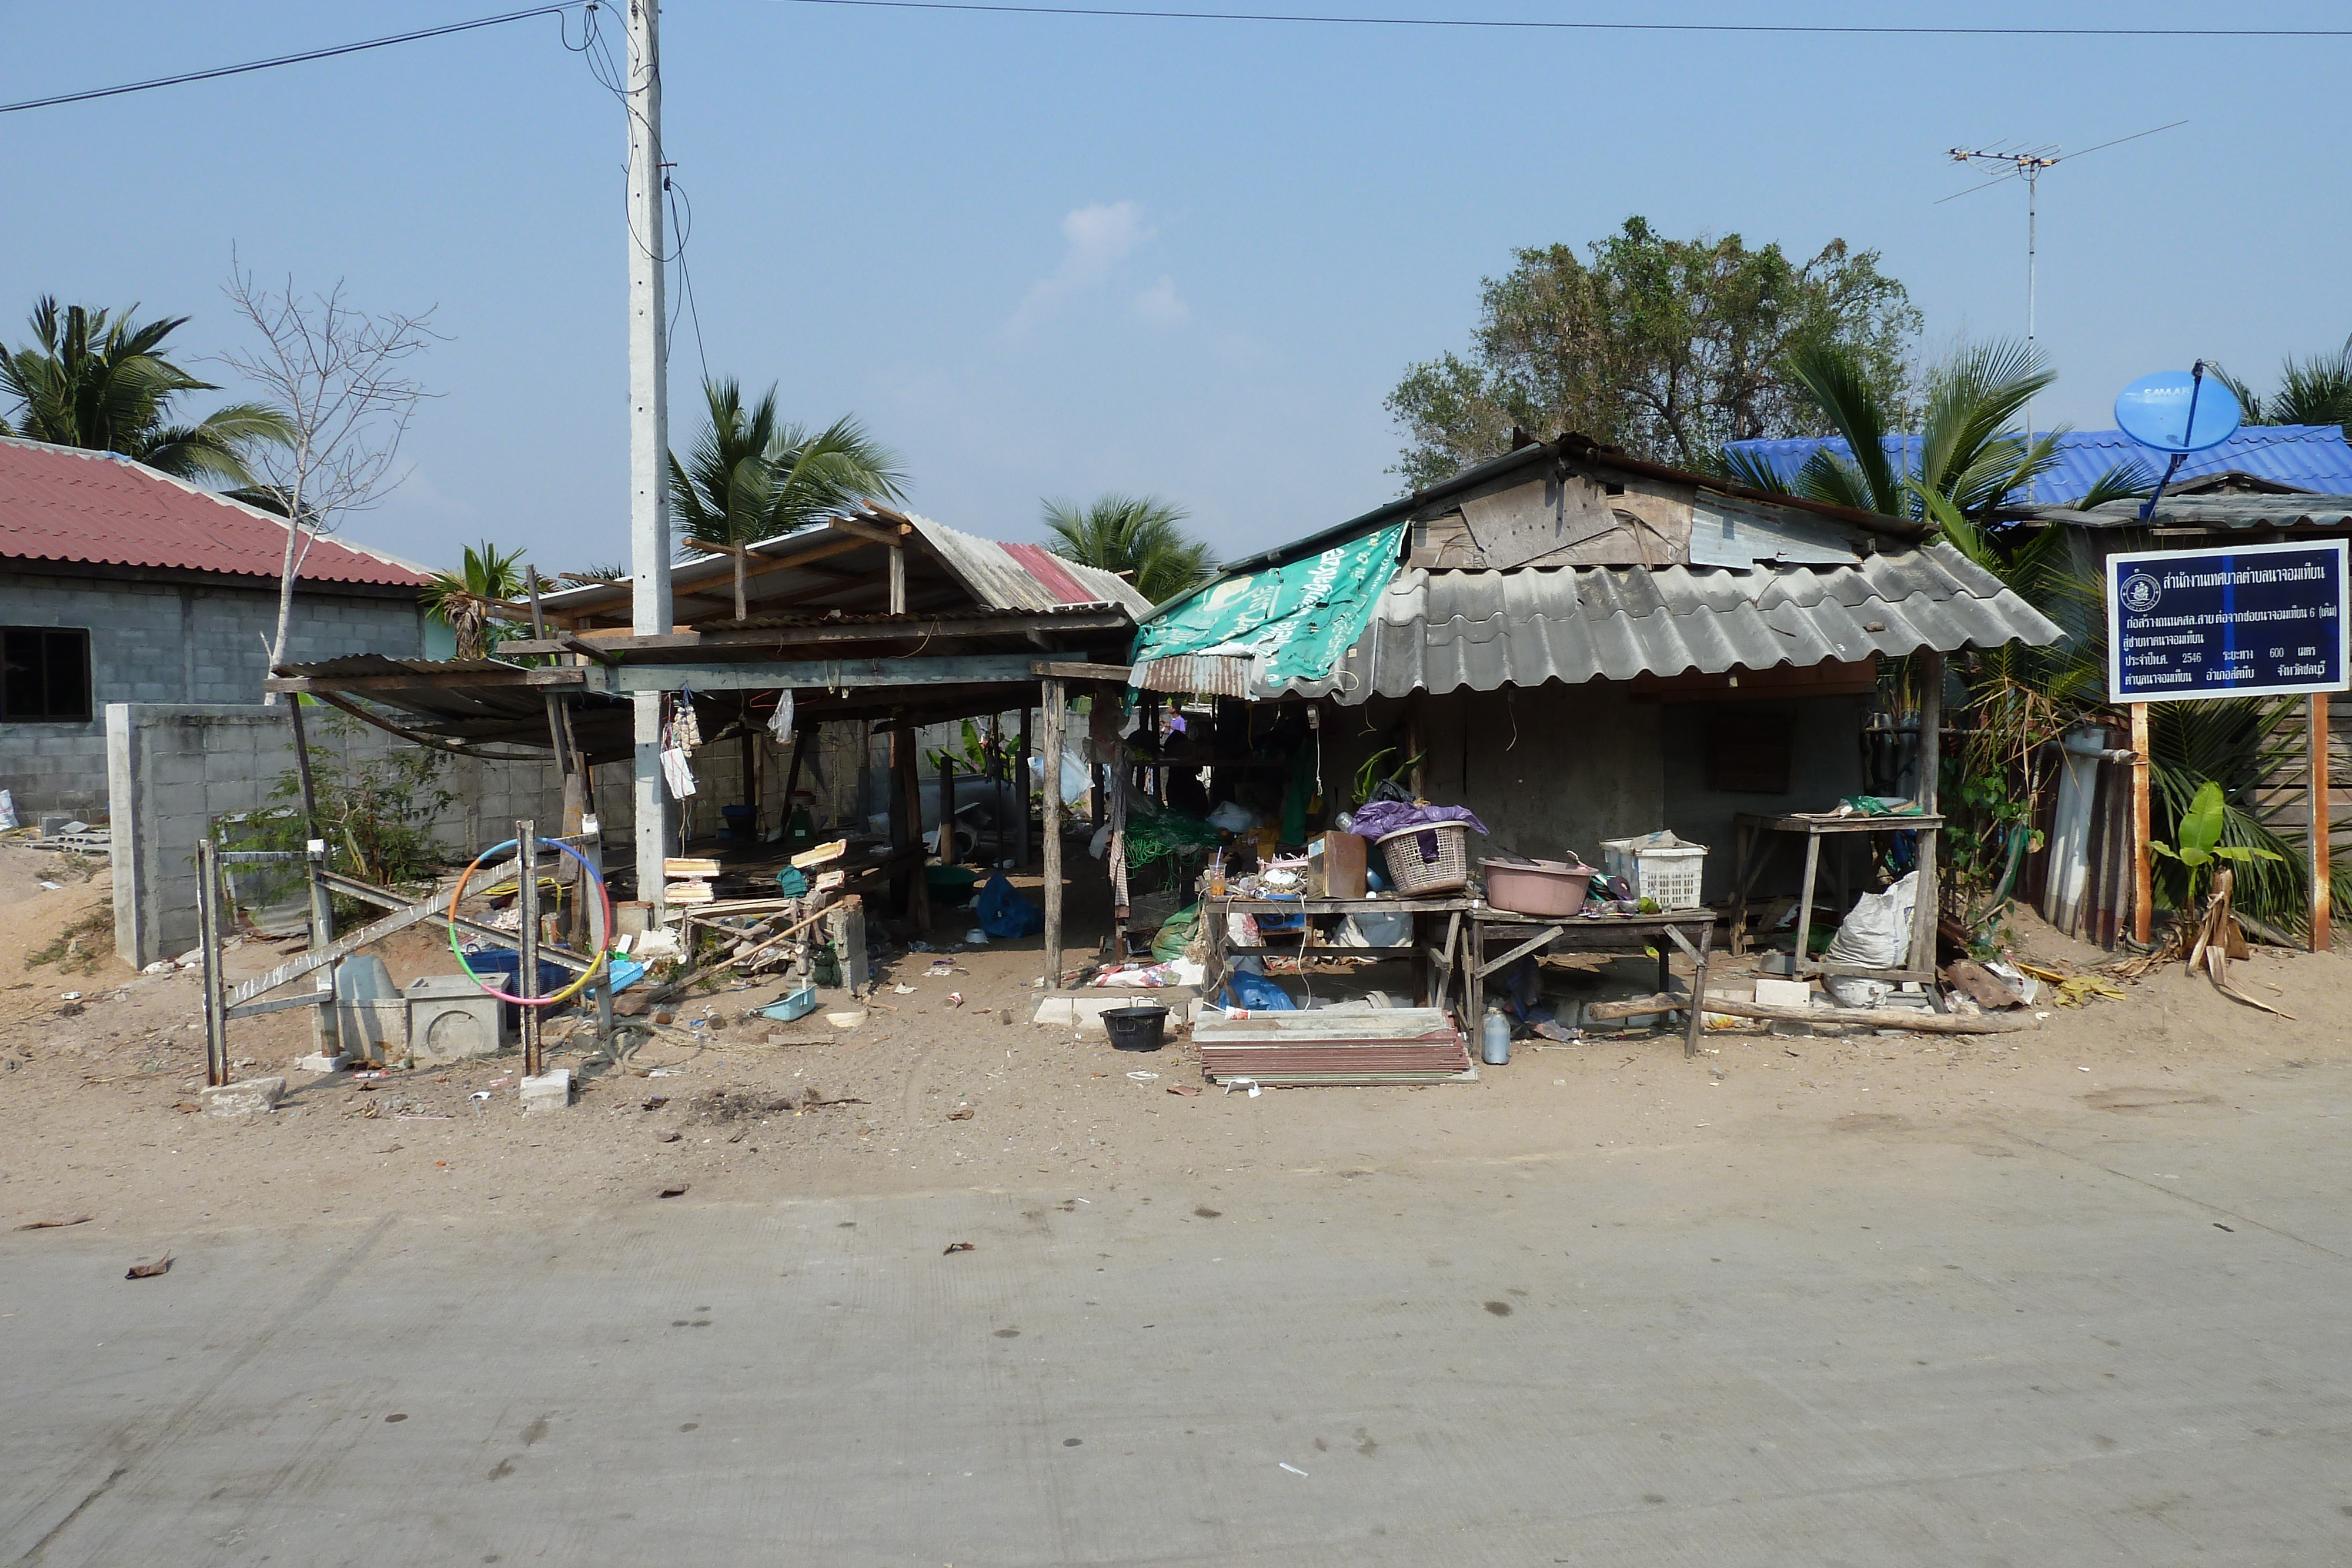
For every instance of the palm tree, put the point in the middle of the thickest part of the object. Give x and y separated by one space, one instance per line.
753 477
2317 390
95 379
468 603
1136 537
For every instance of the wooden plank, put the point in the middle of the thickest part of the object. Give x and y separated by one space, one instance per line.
318 998
565 675
1918 1022
829 674
383 899
1081 672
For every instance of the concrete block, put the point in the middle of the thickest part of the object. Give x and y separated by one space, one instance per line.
550 1091
1783 993
247 1097
1083 1011
450 1019
320 1062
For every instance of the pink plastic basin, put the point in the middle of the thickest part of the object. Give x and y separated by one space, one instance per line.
1547 887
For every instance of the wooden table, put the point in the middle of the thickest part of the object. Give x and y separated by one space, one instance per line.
1815 826
1692 930
1433 965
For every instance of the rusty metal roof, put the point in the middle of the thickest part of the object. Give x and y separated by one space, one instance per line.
1443 631
66 504
2220 511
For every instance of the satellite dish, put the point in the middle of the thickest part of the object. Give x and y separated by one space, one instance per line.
2175 412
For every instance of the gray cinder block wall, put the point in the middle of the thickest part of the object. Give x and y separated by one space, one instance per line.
179 642
173 768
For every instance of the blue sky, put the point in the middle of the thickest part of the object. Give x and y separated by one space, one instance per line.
1051 256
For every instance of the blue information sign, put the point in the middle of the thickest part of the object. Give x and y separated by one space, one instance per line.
2249 621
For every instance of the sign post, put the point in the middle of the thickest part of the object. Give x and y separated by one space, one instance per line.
2236 621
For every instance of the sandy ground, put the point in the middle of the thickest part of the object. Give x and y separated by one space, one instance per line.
99 1102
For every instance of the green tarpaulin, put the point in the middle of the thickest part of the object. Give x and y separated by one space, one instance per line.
1292 622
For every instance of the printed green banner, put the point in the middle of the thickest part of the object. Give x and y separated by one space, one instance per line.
1292 622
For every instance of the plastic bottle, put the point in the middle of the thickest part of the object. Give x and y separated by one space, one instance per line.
1495 1037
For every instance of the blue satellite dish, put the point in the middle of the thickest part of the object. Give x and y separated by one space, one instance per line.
2175 412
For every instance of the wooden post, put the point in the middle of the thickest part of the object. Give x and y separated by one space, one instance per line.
527 949
1020 796
208 940
1416 746
325 1038
845 923
910 792
2322 909
946 808
1930 759
2142 826
897 580
593 832
1053 753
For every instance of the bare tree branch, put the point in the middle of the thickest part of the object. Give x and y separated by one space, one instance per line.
338 375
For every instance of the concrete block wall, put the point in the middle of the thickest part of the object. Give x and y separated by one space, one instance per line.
154 642
173 768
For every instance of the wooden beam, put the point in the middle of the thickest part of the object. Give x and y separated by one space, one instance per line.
897 579
1053 772
2143 867
1930 755
828 675
567 675
1079 672
1918 1022
893 535
862 630
2322 900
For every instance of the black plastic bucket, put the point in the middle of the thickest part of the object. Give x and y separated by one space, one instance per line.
1136 1028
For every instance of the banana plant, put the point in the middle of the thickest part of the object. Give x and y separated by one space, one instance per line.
2199 835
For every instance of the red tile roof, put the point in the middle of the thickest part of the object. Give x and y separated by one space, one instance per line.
64 504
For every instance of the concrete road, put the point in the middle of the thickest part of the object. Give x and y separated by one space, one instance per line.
2118 1339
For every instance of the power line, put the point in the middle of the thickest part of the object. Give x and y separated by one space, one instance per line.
287 59
1535 26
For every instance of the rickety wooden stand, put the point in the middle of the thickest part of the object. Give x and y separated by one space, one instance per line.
1692 930
1433 963
1815 826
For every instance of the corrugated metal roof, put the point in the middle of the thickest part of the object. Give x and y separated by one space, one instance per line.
1440 630
2208 512
996 576
2314 457
65 504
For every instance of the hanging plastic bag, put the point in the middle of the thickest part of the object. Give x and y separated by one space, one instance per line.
1004 913
780 722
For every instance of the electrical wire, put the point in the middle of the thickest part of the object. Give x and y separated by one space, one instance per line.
276 60
1514 23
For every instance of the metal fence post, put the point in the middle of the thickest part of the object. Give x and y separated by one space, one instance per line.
527 949
208 925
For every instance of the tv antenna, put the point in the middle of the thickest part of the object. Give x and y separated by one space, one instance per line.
2029 165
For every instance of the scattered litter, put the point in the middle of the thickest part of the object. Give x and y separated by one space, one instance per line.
159 967
955 998
372 1073
70 997
2074 992
1144 1077
1248 1083
1088 1201
2081 1070
656 1102
845 1020
959 1247
918 946
56 1224
903 990
677 1191
412 1117
481 1095
668 1137
1294 1470
148 1271
495 1083
961 1113
976 937
664 1072
1187 1089
52 887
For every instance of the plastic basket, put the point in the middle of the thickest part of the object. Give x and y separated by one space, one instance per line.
1667 874
1435 859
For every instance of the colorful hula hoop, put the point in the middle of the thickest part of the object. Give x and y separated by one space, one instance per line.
604 938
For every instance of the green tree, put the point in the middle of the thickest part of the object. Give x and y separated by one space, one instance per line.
97 380
1667 348
468 603
2317 390
752 476
1139 537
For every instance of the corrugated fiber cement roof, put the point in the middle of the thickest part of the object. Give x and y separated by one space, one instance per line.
1440 630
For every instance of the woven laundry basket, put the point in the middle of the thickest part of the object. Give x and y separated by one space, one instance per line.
1435 859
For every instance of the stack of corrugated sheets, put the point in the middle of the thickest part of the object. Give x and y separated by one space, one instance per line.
1391 1045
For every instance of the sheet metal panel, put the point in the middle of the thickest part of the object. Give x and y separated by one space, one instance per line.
2314 457
1443 631
2260 512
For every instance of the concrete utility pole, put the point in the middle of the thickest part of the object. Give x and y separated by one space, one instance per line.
649 603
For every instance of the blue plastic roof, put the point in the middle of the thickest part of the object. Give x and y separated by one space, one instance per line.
2314 457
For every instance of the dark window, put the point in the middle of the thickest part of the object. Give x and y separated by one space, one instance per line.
1749 753
44 674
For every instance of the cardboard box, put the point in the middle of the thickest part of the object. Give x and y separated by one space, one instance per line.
1336 868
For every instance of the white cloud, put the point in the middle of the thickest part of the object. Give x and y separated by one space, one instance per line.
1160 305
1096 239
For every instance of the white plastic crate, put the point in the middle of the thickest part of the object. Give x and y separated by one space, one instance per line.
1662 868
